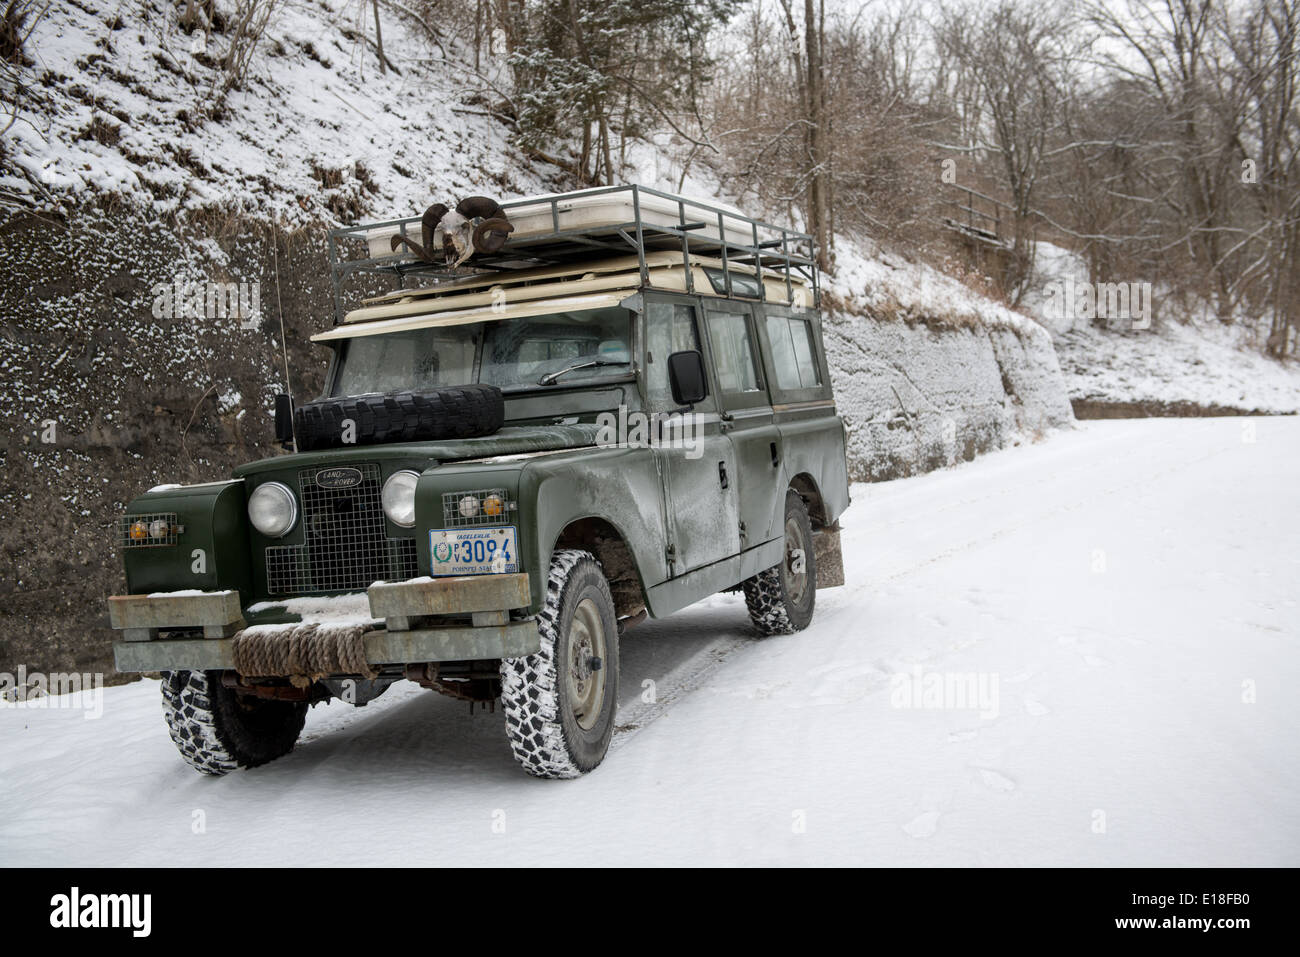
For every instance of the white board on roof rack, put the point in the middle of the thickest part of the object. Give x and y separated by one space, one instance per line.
534 216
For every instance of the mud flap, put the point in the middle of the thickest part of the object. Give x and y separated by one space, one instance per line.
827 555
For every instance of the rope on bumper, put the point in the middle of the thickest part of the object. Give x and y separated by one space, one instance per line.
303 652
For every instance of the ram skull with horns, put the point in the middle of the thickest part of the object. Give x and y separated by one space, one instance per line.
478 224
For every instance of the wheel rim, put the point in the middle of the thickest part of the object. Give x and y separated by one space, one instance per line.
586 687
794 570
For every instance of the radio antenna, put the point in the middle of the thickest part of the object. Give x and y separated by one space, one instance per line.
284 342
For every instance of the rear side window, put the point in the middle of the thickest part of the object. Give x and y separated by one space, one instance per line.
733 353
793 354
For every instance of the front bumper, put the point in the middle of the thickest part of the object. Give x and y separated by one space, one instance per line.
423 621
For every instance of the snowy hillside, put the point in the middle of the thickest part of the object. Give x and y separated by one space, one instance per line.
1182 362
127 106
1124 718
1202 363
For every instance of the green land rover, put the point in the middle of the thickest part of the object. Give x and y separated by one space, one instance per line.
569 413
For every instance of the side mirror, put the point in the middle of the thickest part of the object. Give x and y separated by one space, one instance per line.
686 377
283 419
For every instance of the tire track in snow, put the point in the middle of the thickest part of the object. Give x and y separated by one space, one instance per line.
682 681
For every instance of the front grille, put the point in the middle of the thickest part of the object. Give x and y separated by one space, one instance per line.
346 546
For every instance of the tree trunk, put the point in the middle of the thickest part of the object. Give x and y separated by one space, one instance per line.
585 156
604 147
379 38
818 205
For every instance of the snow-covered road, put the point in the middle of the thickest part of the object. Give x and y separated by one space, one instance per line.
1125 595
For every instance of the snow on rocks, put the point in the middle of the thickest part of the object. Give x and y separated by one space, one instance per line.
927 371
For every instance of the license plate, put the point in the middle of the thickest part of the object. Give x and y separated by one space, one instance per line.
474 551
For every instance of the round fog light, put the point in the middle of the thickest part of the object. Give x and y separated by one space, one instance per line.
492 505
469 506
159 528
398 497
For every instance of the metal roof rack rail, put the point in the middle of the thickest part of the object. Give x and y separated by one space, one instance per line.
656 221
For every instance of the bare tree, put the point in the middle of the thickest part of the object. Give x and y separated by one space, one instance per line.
1266 64
1019 58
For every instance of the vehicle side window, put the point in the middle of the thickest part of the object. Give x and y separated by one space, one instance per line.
733 352
801 331
670 327
793 352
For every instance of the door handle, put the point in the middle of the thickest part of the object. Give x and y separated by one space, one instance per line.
722 474
776 455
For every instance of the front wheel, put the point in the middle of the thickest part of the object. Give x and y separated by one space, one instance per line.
217 730
560 703
781 598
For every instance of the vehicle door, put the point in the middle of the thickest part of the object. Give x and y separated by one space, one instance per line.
746 414
696 459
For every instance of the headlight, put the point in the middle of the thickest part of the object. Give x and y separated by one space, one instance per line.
399 497
469 506
272 509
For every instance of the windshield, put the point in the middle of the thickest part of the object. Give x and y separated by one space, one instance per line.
509 353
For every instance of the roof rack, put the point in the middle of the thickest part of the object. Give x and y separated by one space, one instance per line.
569 227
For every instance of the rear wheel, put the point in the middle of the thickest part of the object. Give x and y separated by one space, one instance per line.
781 599
560 703
217 730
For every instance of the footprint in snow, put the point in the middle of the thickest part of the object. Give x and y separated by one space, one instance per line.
996 781
923 825
1036 708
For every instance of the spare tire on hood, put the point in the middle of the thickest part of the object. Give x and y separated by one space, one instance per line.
462 412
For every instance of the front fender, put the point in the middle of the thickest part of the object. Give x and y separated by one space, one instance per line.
211 549
620 486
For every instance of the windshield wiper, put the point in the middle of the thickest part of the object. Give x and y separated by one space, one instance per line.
551 377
